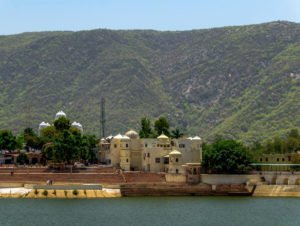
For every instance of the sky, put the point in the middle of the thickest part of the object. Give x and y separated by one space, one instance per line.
17 16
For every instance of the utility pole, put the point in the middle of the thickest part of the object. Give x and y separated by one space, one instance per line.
28 115
103 120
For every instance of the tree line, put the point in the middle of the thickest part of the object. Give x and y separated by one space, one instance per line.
290 143
160 126
63 143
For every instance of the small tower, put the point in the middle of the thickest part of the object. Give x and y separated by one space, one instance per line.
60 114
42 126
175 163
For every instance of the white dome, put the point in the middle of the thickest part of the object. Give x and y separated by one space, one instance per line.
132 134
43 125
121 137
175 152
109 137
162 136
77 125
196 138
60 114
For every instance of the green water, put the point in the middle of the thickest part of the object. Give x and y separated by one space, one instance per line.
161 211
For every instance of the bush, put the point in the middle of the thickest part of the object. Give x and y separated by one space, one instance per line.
54 192
36 192
84 192
75 192
66 193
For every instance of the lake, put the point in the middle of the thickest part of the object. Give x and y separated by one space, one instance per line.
152 211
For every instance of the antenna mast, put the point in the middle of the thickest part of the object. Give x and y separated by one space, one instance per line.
103 117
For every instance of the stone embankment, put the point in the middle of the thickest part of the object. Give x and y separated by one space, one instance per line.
183 190
277 191
63 191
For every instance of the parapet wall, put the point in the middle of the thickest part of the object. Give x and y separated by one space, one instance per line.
228 178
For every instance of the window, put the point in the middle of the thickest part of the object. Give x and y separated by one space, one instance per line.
157 160
148 155
126 160
261 159
115 145
282 159
177 171
126 145
277 159
176 159
267 159
181 145
289 157
146 145
194 171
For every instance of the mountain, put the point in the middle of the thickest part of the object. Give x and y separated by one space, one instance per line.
242 82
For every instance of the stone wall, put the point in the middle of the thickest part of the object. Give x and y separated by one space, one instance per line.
228 178
175 178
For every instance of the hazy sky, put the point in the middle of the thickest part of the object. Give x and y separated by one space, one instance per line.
18 16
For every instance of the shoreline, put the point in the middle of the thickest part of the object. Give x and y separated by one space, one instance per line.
142 190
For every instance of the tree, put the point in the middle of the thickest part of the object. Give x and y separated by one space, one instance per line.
48 134
7 140
146 130
88 148
62 123
64 144
32 141
161 125
65 148
176 133
294 133
226 156
22 159
277 144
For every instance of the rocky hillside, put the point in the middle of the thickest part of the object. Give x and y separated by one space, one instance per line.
242 82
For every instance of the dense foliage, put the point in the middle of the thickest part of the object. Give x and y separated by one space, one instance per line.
7 140
226 156
242 82
66 144
290 143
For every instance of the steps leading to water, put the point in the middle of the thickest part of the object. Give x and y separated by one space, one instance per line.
277 190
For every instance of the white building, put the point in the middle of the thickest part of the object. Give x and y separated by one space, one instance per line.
162 154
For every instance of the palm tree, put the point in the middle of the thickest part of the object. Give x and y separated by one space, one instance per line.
176 133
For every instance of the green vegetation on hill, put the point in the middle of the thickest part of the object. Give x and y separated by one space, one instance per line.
241 82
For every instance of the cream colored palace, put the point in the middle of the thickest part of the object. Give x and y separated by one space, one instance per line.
163 154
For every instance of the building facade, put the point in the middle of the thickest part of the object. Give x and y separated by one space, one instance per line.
161 154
